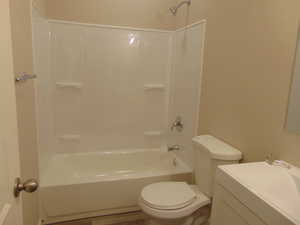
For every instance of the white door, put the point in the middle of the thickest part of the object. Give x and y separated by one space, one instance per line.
10 207
20 15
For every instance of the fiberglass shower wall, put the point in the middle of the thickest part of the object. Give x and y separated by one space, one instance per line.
185 86
105 88
109 87
44 97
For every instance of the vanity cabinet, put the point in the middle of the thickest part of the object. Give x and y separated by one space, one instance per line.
227 210
256 194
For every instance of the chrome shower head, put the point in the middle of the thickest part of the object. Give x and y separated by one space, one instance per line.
174 9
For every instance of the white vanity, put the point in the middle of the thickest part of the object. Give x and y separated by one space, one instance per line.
257 194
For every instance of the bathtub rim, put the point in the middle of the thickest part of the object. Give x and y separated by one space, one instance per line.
182 168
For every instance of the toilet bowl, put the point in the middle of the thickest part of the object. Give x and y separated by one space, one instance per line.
178 203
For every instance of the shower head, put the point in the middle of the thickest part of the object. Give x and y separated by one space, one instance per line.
174 9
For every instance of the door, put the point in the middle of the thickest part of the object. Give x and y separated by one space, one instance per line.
10 207
18 157
20 14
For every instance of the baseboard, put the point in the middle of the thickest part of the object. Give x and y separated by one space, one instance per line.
85 216
118 219
133 218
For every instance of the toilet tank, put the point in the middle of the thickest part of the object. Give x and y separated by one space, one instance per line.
211 152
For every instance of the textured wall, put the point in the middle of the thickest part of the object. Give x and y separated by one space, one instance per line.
134 13
248 68
40 5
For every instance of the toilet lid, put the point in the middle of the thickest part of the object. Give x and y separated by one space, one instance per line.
168 195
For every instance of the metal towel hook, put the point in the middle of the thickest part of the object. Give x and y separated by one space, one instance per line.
25 77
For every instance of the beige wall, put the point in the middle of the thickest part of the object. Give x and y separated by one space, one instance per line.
248 62
134 13
40 5
23 62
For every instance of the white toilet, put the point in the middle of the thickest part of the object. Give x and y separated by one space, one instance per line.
178 203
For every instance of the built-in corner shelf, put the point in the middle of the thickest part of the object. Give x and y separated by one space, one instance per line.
153 133
153 87
70 137
73 85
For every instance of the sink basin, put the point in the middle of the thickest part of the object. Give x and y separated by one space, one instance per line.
278 187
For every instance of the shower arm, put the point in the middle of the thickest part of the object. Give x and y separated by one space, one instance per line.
175 8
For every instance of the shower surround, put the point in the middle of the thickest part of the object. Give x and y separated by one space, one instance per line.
106 98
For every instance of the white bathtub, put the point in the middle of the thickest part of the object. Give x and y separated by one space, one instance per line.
104 182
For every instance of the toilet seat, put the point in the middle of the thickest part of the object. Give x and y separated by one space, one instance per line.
168 195
200 201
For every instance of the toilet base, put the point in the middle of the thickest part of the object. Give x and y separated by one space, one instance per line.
200 217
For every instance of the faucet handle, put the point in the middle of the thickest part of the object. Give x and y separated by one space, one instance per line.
269 159
177 124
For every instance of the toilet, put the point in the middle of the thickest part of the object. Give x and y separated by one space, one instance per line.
179 203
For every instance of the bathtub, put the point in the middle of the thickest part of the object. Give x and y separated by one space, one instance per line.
105 182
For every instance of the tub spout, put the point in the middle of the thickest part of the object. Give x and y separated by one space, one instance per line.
174 148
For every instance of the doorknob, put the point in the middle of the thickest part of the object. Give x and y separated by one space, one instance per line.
28 186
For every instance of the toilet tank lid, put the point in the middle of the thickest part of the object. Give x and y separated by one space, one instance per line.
217 148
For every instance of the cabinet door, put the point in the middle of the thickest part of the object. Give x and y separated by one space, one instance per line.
227 210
